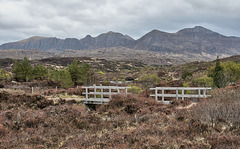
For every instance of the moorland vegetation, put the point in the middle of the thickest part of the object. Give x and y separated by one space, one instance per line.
45 119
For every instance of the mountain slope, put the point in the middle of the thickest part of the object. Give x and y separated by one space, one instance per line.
190 42
110 39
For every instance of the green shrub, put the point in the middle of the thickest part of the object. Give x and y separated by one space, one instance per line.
4 75
122 78
186 74
149 80
185 91
115 79
106 83
224 73
134 89
204 81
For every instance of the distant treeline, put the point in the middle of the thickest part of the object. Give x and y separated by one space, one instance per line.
74 74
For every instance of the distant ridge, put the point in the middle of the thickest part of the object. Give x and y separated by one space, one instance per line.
188 41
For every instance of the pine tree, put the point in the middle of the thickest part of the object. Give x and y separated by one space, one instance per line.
40 72
65 78
74 70
54 75
218 75
81 73
23 70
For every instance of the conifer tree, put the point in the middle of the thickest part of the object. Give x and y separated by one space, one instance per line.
218 75
65 78
81 73
23 70
40 72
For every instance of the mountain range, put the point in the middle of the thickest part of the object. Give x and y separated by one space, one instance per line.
188 42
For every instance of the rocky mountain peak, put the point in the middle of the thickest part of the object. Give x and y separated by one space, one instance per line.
34 38
88 36
111 32
197 30
156 32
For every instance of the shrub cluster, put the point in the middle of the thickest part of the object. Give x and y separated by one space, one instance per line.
76 73
126 122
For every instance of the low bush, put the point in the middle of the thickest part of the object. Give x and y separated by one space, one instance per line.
223 106
149 80
1 85
204 81
134 89
75 91
224 141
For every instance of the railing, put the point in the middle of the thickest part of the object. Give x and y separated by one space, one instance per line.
102 94
179 94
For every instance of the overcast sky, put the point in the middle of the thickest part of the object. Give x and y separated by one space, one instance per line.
20 19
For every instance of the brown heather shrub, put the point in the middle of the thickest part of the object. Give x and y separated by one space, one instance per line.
75 91
126 122
34 101
131 104
1 85
224 141
185 102
3 131
222 107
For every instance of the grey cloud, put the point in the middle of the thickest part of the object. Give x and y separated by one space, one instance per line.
78 18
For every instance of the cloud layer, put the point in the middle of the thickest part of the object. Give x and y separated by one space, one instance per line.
21 19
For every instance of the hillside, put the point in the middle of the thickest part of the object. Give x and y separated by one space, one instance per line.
111 54
20 54
189 43
197 40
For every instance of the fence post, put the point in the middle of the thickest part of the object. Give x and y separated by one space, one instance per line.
86 93
56 89
182 94
199 92
101 93
162 94
156 96
204 93
126 90
110 92
94 87
32 90
176 94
